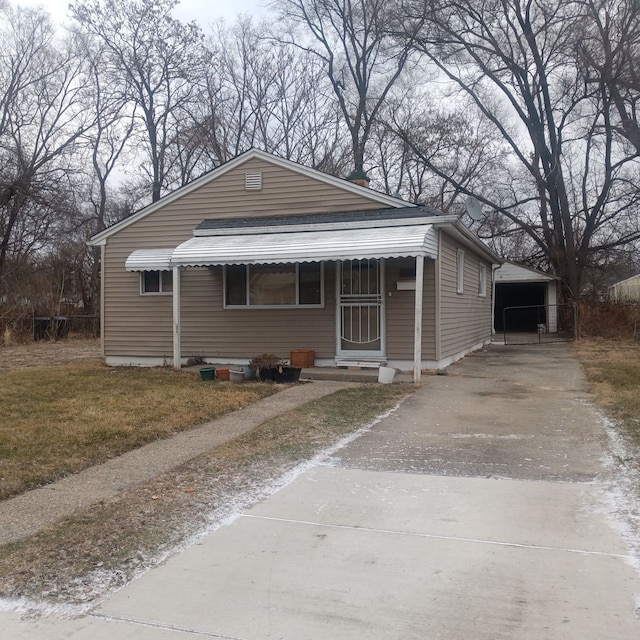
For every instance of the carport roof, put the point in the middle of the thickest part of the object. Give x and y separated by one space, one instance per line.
510 272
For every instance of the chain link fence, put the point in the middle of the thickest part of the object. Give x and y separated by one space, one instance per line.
33 328
539 324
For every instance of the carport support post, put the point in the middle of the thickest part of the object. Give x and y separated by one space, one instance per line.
417 332
176 319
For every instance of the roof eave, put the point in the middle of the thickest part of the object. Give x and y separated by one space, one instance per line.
100 238
453 225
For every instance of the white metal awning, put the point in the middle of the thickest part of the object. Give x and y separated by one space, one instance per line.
149 260
308 246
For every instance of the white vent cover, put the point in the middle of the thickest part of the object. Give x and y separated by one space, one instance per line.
253 181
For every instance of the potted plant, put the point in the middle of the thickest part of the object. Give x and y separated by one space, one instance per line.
274 369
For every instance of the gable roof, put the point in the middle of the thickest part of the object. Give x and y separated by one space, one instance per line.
340 183
625 281
511 272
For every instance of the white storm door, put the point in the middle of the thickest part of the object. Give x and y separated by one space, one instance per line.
360 317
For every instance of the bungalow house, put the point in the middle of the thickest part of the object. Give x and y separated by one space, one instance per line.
265 255
628 289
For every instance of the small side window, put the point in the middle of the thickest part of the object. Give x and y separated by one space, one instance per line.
156 282
460 271
482 280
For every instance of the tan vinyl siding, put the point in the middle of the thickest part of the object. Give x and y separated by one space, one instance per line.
283 192
210 330
465 317
136 325
400 310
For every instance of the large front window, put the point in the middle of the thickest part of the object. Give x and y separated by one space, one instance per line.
275 285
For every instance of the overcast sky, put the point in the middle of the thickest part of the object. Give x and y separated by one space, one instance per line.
203 11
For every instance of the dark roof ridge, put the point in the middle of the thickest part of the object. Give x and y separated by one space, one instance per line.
366 215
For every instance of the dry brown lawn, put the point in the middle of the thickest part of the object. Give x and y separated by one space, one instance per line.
84 557
57 419
613 370
45 353
84 411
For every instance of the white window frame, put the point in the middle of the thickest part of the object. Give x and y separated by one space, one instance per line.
460 271
297 305
482 280
161 281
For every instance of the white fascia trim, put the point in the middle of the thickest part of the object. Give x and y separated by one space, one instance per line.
406 366
138 361
457 229
402 365
547 277
157 361
100 238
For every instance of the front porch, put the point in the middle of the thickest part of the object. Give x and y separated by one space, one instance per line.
350 374
340 374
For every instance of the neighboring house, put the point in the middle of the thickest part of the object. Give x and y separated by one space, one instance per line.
265 255
628 289
530 298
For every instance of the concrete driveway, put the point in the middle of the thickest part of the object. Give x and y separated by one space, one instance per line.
476 511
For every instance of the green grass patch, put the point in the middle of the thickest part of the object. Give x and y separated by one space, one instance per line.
55 421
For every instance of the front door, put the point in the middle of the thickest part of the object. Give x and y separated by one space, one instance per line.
360 306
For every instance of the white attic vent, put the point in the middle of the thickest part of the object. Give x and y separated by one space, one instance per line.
253 181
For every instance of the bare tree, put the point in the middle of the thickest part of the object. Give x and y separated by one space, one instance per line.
262 94
157 59
106 141
433 147
571 188
42 121
609 48
354 41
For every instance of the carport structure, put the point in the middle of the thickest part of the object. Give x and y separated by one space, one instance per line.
529 296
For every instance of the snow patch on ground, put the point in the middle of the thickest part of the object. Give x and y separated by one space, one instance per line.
622 497
101 584
30 609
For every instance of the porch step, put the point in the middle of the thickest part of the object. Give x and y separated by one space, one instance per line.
348 375
363 364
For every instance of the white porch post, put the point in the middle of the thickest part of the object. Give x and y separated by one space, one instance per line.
417 345
176 319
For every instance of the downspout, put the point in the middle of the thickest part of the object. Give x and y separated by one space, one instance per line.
103 251
177 350
417 345
494 268
438 305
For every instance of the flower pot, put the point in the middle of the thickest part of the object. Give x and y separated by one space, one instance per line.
280 374
236 376
207 373
222 374
249 373
386 375
302 358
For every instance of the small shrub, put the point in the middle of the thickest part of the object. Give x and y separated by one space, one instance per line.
266 361
611 319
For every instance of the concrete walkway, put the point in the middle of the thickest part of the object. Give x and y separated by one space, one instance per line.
27 513
476 511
